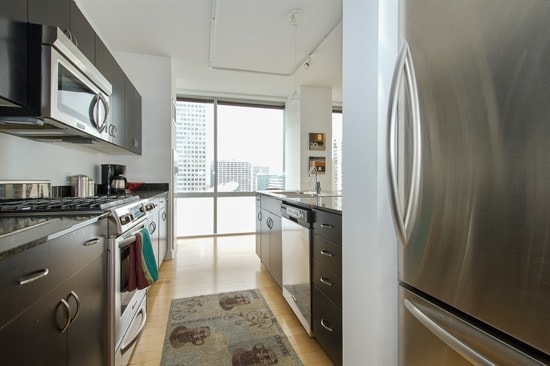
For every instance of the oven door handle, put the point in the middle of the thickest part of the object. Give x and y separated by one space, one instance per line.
131 239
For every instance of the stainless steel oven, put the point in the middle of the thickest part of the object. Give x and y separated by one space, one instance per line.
128 306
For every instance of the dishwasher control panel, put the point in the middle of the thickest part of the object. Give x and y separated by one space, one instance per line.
297 214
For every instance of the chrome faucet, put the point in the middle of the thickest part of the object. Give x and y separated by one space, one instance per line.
313 170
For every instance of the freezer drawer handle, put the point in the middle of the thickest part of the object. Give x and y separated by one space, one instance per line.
326 325
327 226
325 281
461 348
34 276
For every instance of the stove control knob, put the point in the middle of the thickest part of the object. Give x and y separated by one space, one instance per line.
125 219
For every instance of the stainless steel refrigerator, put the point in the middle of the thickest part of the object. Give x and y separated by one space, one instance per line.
469 166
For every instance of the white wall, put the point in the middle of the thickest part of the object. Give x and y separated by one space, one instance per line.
152 76
292 145
369 243
315 116
25 159
312 113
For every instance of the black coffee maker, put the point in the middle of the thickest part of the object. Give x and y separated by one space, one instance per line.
108 173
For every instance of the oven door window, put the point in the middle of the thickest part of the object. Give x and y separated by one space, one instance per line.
125 295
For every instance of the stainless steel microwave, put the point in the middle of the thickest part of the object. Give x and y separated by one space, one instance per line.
68 98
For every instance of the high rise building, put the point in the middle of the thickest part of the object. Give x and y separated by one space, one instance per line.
236 175
191 145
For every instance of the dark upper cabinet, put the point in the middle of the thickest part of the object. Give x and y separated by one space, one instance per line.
51 12
107 65
65 15
13 53
132 117
83 32
14 10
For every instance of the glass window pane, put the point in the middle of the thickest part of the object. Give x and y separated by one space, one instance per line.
250 148
195 146
236 215
195 216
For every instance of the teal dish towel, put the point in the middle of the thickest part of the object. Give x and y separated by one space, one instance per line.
148 260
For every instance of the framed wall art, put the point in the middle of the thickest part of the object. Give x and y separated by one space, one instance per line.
317 141
318 162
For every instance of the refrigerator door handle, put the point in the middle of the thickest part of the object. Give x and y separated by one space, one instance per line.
404 221
456 344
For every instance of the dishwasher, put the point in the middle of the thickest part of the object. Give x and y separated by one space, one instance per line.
296 238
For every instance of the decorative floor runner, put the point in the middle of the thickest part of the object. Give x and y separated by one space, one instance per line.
232 328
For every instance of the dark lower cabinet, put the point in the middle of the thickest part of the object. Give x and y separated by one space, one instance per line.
327 325
52 333
269 242
56 308
326 278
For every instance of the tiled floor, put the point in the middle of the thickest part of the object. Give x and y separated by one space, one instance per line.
212 265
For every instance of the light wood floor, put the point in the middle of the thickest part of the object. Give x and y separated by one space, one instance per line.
211 265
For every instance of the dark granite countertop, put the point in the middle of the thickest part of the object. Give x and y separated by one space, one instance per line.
150 190
38 230
328 201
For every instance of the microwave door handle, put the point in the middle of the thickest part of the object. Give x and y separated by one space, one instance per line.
105 103
94 111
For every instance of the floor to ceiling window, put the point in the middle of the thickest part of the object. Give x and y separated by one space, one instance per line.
226 151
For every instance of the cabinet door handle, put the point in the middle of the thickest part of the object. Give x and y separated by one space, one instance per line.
326 253
34 276
327 226
68 309
326 325
77 299
91 242
325 281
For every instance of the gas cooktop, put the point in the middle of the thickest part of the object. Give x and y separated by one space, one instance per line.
63 206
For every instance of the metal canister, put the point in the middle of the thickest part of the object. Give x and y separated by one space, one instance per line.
79 185
91 187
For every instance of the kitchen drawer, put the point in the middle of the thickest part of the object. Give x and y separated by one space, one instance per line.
271 204
328 254
328 226
327 325
61 257
328 282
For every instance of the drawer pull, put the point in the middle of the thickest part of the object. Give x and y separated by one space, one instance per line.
326 253
327 226
326 325
68 309
325 281
34 276
91 242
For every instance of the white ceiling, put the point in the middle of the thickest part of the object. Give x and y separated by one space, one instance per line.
233 48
